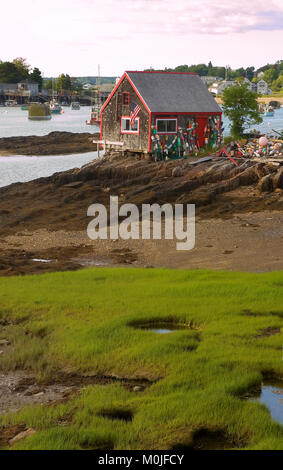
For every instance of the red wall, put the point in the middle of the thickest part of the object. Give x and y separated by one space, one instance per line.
202 121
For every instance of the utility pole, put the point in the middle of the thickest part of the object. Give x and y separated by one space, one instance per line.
98 88
226 72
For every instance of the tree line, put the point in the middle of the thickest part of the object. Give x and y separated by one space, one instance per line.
19 70
63 83
272 73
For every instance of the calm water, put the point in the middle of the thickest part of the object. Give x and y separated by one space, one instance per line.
269 123
22 169
272 396
15 122
162 328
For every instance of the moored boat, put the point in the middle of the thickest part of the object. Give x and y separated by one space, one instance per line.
11 103
75 105
269 111
95 118
269 114
55 108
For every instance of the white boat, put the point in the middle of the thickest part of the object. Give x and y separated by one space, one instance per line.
55 108
10 103
269 114
95 117
75 105
269 111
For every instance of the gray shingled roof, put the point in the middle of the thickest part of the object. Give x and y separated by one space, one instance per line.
174 93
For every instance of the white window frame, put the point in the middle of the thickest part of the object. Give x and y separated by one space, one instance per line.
167 119
124 118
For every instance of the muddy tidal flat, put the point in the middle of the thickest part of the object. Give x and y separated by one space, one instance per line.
238 216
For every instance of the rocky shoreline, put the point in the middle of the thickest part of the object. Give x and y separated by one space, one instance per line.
55 143
43 222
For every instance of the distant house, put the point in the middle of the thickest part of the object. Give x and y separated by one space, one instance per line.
105 90
28 87
165 111
19 92
208 80
254 87
8 88
218 87
263 88
247 82
88 86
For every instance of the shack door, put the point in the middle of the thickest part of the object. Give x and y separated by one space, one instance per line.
202 122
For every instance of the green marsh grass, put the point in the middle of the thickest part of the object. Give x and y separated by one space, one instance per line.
83 322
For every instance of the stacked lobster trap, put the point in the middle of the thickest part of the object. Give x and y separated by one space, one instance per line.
186 141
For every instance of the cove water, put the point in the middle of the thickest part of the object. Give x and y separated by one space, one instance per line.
22 169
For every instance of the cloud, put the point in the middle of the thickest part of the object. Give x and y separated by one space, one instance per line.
271 20
196 16
137 33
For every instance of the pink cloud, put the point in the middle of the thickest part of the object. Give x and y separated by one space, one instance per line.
195 16
75 35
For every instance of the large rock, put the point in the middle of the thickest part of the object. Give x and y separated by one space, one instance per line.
278 179
265 184
22 435
177 171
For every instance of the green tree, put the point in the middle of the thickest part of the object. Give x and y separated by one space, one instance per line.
48 84
240 80
37 77
63 83
201 69
182 68
219 72
9 73
250 73
22 66
269 76
76 85
241 107
240 72
277 85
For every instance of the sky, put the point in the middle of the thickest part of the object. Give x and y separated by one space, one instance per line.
74 36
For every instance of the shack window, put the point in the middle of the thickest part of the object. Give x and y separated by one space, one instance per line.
126 98
166 126
126 127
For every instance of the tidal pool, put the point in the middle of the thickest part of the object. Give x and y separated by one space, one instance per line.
271 395
162 328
